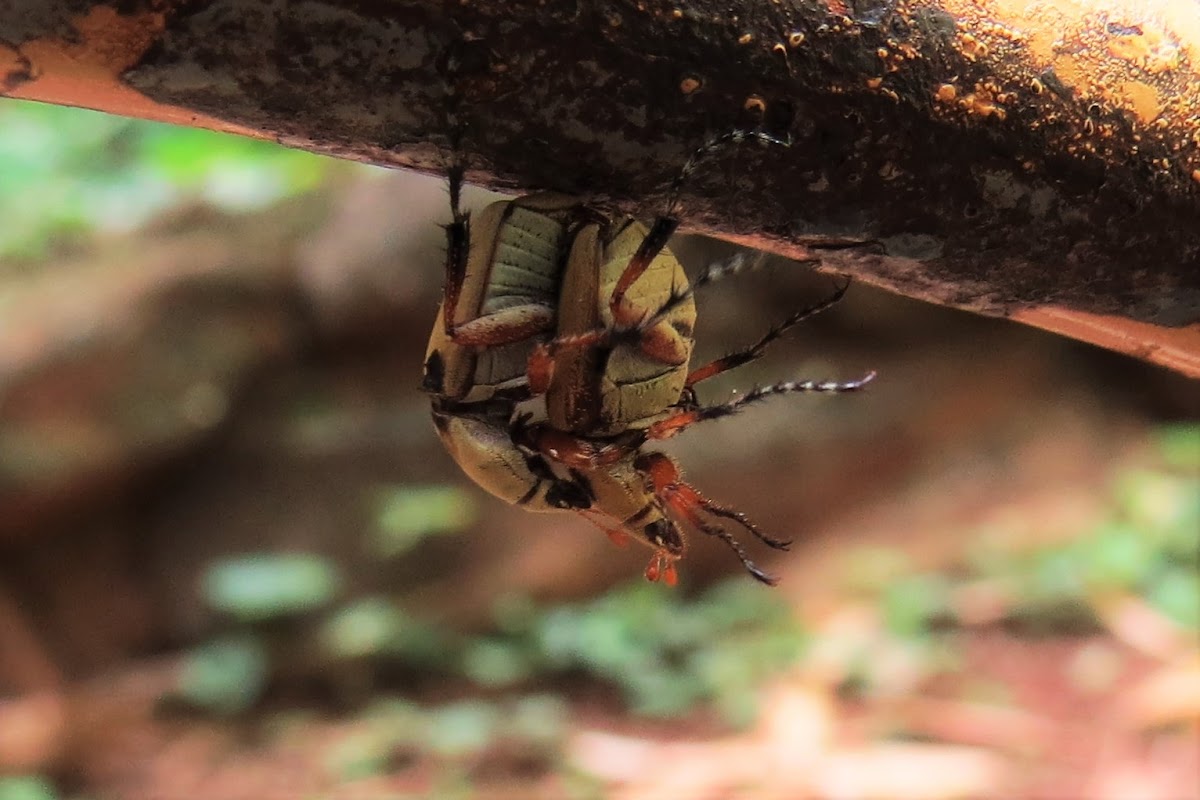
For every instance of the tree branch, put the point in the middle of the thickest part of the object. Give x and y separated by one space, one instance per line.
1040 162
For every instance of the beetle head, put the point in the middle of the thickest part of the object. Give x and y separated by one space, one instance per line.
663 534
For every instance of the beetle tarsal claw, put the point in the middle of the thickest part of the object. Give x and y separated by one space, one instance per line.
662 568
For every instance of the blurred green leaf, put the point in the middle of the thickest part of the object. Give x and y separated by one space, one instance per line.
659 692
26 787
402 721
364 628
910 604
361 754
1180 446
668 654
70 170
407 515
1117 557
421 644
1056 575
515 613
1154 501
539 719
493 662
225 676
1177 594
264 586
462 729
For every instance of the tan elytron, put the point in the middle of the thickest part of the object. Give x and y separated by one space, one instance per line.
508 297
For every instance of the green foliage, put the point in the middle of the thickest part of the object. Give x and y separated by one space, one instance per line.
537 719
1148 544
265 586
407 515
225 676
1180 447
368 627
376 627
26 787
461 729
1176 593
669 654
66 171
911 604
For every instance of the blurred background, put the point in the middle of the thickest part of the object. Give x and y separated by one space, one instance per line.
236 563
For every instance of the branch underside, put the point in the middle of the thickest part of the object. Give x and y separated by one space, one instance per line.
1034 166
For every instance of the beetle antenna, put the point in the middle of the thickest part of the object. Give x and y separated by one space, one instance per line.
754 351
736 546
687 417
744 521
734 265
712 146
664 226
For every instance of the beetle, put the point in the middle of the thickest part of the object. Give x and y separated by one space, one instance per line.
554 298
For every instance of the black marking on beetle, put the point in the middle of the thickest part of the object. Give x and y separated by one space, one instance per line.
434 378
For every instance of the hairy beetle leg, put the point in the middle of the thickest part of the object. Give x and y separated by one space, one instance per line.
618 536
660 233
574 451
681 498
664 227
503 327
660 342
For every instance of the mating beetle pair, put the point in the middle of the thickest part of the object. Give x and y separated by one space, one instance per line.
548 297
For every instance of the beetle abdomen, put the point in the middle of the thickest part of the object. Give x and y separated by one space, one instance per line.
485 453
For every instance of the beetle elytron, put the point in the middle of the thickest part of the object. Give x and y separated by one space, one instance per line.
552 298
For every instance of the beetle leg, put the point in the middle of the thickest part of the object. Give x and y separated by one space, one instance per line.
662 567
656 239
654 335
502 327
740 357
682 499
574 451
662 534
664 227
540 369
458 240
684 418
662 563
634 332
616 534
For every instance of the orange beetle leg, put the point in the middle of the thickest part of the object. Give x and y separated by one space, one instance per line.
576 452
662 567
617 536
540 369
